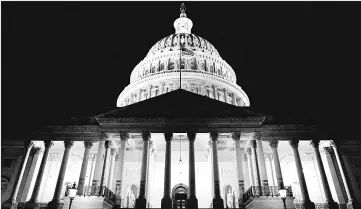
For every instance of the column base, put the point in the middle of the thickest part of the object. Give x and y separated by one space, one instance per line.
166 203
9 204
304 205
218 203
241 203
331 205
351 205
192 203
141 203
55 205
32 205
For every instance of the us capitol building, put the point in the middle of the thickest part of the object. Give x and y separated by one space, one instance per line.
182 136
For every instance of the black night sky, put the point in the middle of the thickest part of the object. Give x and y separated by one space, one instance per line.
63 59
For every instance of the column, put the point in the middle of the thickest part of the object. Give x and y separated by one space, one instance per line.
34 197
167 200
214 92
234 99
217 200
306 202
270 157
250 167
150 91
236 136
84 166
55 203
139 94
262 164
257 180
329 203
348 165
336 147
141 201
124 136
24 192
111 169
274 144
192 198
108 145
245 171
334 177
92 163
225 95
11 202
98 163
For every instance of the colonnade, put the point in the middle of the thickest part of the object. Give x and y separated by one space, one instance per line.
256 171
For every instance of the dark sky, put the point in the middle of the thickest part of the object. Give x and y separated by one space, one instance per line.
63 59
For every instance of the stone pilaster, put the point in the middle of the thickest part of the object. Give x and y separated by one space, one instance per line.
11 202
84 166
306 202
55 203
217 200
167 200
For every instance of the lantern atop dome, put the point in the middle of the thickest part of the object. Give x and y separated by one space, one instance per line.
183 24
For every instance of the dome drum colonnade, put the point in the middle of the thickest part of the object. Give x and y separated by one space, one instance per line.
190 57
253 151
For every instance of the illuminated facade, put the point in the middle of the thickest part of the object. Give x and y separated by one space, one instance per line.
160 150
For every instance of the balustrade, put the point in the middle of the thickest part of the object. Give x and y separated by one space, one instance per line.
272 191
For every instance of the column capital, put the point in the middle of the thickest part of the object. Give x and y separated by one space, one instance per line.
273 143
213 135
328 150
36 150
335 144
48 144
28 144
294 143
103 135
191 136
249 151
146 135
236 135
88 144
253 144
124 136
168 136
112 151
257 135
315 143
68 144
108 144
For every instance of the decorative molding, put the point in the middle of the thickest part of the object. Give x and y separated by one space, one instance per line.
213 135
103 135
124 136
146 136
191 136
273 143
315 143
294 143
68 144
257 135
168 136
236 135
88 144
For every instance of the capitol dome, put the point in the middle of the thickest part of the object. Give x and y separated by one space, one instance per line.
184 57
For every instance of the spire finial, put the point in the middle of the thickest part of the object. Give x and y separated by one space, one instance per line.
183 10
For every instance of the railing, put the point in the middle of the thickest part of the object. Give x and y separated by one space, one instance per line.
42 205
269 191
109 195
